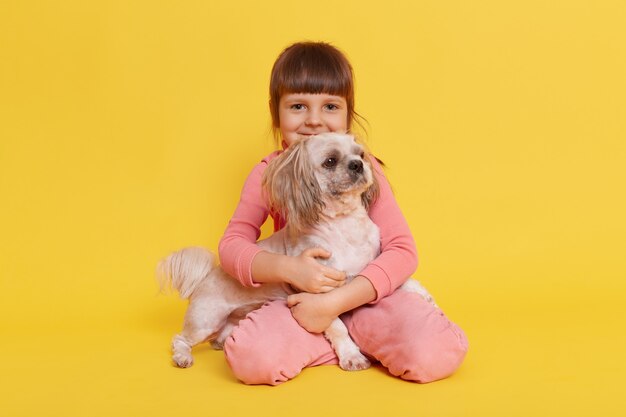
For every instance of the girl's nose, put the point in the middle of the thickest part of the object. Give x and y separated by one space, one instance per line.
313 119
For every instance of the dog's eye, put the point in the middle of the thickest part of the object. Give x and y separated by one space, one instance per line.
362 155
329 162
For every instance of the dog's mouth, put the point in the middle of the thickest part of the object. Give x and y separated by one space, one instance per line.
354 183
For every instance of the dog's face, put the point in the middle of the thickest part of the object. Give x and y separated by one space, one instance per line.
339 164
318 176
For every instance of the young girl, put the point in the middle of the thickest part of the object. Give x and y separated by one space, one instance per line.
312 91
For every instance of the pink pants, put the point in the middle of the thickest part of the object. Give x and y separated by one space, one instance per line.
403 332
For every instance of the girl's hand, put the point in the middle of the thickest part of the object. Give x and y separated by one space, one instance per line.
308 275
314 312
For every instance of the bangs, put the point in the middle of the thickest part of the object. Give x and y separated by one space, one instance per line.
315 71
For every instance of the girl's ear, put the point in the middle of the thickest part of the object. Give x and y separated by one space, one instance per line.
292 190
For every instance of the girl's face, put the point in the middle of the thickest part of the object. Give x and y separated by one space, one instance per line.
305 114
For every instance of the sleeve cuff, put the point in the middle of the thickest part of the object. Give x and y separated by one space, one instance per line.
244 265
379 279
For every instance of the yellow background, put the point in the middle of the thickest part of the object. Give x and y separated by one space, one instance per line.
127 129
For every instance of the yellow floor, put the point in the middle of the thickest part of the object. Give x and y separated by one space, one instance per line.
548 362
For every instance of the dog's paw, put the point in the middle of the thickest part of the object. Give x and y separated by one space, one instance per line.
412 285
182 360
354 362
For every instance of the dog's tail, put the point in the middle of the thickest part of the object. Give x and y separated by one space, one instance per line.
185 270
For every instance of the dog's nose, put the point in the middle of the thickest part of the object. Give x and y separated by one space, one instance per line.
356 166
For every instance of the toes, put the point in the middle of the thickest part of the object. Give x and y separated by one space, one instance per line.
183 361
354 363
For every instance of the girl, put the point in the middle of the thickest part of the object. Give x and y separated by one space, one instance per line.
311 92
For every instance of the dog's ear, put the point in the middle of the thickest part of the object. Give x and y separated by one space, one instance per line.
292 190
373 191
371 194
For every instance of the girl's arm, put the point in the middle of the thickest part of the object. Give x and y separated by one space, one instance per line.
398 258
243 259
315 312
302 272
238 248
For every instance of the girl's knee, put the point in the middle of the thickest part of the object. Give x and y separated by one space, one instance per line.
254 366
261 349
422 345
434 359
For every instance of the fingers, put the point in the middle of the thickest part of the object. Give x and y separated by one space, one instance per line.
293 300
322 285
313 276
335 275
317 253
331 273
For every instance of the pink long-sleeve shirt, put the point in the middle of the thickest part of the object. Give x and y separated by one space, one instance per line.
396 262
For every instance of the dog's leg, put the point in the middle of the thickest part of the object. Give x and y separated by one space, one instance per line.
413 285
202 321
234 318
218 342
350 357
181 347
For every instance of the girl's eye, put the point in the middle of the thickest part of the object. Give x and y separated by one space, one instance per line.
329 163
331 107
297 106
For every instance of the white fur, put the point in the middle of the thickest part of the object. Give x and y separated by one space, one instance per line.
218 302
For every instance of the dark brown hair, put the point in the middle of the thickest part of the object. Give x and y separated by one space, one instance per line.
315 68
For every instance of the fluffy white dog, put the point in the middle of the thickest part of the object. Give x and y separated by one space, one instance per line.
335 183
